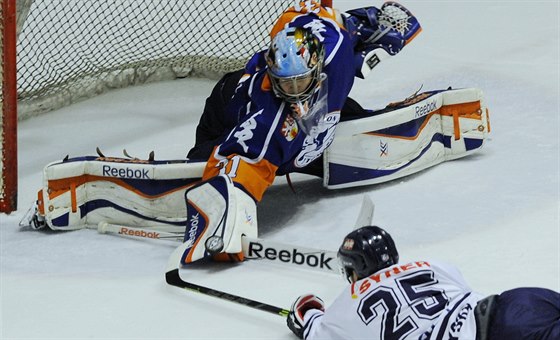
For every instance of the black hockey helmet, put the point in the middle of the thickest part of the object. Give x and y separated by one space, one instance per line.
367 250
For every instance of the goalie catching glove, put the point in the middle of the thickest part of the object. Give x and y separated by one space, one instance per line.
218 215
303 304
378 34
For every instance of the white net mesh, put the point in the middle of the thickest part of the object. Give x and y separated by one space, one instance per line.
73 49
69 50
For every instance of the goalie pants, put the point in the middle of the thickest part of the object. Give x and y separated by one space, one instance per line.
526 313
215 123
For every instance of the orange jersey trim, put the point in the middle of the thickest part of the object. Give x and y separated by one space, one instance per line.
266 85
254 177
291 13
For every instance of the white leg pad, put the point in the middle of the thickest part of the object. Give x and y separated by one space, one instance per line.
84 191
420 132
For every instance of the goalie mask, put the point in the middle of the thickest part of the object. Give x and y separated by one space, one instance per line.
295 60
365 251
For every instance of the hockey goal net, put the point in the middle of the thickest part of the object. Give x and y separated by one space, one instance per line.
69 50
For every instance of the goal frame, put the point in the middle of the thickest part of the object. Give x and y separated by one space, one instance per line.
9 173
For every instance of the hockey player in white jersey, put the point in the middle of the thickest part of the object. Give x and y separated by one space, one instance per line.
418 300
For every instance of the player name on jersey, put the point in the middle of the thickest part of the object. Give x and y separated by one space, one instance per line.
392 271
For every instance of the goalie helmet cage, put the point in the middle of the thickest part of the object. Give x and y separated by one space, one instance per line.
70 50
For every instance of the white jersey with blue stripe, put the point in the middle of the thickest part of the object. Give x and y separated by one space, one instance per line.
418 300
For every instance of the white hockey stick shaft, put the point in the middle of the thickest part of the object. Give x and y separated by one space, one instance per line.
253 248
302 257
134 232
257 248
365 218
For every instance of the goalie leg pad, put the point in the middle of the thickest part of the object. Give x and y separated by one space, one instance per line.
83 191
217 208
406 137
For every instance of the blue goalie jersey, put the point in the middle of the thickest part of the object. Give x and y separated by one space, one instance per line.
266 140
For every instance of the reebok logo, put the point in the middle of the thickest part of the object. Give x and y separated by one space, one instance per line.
422 110
315 260
138 233
193 222
109 171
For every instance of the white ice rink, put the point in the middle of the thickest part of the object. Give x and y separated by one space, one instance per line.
495 214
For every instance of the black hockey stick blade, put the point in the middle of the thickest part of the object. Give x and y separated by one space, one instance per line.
173 278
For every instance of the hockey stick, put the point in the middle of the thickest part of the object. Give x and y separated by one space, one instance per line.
365 218
173 278
256 248
253 248
153 233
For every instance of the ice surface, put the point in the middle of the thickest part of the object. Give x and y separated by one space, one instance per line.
495 214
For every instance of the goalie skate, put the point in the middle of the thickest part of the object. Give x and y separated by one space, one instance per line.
33 219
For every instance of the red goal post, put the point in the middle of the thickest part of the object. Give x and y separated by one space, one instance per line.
8 107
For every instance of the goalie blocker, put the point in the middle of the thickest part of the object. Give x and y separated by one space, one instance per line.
402 139
218 215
